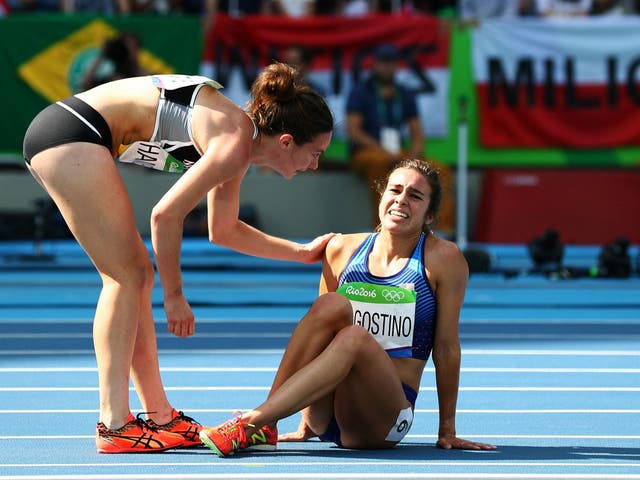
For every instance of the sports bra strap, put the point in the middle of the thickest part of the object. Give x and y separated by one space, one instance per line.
181 95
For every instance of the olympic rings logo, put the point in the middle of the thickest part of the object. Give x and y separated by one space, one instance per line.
404 425
392 295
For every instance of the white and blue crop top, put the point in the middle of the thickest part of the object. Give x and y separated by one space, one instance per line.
413 274
171 147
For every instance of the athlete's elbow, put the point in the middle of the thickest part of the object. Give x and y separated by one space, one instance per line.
160 217
220 236
215 238
446 354
166 223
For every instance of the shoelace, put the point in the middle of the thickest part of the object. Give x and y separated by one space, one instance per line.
227 429
182 416
142 423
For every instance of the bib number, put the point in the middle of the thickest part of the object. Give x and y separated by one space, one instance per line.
386 312
151 155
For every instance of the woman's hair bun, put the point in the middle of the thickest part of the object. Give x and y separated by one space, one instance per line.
279 83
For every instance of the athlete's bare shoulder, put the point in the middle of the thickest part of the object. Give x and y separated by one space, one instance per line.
216 116
443 256
337 254
342 246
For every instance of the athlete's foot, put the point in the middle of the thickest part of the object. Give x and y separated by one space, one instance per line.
135 436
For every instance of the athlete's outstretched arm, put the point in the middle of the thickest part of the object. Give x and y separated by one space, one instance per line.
227 230
451 284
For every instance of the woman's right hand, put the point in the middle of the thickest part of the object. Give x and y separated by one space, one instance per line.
314 250
180 319
303 433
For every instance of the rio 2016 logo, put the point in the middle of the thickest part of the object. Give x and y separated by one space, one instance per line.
360 292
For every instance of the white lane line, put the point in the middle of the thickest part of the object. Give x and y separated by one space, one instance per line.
416 436
245 334
632 411
273 369
195 351
408 463
324 465
265 388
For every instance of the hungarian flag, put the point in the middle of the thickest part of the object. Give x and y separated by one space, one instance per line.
570 83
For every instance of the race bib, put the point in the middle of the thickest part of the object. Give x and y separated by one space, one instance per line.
388 313
150 155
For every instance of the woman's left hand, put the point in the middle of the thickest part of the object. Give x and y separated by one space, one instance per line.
180 319
449 442
313 251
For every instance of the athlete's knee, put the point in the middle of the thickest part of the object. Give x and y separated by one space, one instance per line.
332 310
137 275
353 338
143 273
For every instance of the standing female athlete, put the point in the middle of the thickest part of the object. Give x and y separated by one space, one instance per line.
354 362
175 123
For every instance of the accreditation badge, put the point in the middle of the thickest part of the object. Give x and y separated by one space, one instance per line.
391 140
387 312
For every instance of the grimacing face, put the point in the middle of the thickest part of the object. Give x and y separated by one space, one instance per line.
405 201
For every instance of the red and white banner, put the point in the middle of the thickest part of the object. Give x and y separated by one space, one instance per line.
572 83
238 48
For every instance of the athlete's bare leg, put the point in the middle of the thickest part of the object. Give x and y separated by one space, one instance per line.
332 367
85 184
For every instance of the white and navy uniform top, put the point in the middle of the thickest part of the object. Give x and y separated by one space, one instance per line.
357 270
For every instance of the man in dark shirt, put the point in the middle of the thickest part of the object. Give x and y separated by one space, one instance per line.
382 121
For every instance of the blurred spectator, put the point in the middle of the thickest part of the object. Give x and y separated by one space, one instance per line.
383 126
118 59
4 8
234 8
300 57
292 8
149 6
356 8
615 7
446 8
563 8
16 6
607 7
102 7
328 7
474 11
387 6
631 7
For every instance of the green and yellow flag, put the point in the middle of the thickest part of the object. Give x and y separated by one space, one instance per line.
48 55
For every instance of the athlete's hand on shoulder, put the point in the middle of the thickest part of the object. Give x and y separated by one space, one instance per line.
314 250
449 442
303 433
180 320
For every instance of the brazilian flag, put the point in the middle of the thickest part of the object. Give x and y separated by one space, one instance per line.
43 57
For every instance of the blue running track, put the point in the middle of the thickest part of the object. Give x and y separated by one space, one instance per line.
550 373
